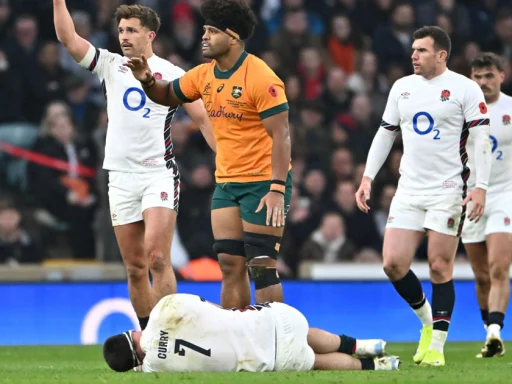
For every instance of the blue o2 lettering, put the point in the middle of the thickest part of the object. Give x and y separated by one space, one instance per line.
494 143
142 103
422 131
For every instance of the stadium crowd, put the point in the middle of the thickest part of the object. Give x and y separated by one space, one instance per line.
338 60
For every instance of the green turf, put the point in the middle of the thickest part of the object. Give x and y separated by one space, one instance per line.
83 364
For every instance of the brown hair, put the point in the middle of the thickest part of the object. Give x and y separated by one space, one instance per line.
488 60
441 38
148 17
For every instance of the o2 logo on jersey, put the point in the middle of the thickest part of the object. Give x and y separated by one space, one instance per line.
142 103
494 144
420 126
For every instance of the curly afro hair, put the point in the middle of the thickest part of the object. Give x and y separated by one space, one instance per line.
234 14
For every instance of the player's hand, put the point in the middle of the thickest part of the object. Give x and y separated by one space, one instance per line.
140 68
477 196
274 202
363 194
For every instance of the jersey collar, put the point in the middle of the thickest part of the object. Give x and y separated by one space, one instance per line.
226 75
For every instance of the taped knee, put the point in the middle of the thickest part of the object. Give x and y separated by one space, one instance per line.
264 277
262 248
259 245
230 247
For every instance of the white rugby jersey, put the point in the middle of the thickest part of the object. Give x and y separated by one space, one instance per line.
188 334
500 113
139 130
435 117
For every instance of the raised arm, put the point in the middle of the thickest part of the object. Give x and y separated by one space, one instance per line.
65 29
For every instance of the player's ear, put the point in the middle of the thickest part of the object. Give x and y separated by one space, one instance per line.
502 77
152 36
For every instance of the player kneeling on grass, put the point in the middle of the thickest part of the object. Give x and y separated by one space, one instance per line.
186 333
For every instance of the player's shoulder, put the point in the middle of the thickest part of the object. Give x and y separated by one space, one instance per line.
111 57
462 81
169 70
406 81
255 65
505 100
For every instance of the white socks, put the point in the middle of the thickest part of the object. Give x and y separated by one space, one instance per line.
438 340
424 313
493 330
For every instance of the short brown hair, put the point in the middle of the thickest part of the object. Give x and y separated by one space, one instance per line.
148 17
487 60
440 37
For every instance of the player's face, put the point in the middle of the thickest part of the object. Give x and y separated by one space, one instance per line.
425 59
215 42
133 37
489 79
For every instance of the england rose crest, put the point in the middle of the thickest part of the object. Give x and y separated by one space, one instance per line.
164 196
506 119
445 95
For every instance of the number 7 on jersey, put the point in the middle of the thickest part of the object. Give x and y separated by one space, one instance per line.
180 345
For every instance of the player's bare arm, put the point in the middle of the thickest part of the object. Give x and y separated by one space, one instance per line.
483 161
65 29
198 114
379 151
160 91
277 128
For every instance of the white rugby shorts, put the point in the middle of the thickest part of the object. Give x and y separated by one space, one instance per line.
497 218
439 213
293 351
130 194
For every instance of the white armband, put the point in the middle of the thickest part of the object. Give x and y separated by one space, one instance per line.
379 151
89 57
483 156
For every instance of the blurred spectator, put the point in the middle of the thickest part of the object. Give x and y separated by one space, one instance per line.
342 165
360 226
310 138
336 96
502 42
16 245
84 109
393 44
194 216
381 212
329 243
292 36
428 13
11 92
22 49
45 81
344 44
5 20
64 195
315 22
315 184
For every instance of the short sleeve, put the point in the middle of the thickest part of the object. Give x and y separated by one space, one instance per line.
269 95
97 61
391 116
187 87
474 106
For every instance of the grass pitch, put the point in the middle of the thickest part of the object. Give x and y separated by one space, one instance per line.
84 364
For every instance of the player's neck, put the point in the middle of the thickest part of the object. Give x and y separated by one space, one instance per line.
438 72
492 99
226 62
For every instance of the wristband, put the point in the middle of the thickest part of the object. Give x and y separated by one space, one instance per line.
277 188
281 192
150 83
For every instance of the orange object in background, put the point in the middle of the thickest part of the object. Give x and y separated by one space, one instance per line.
203 269
79 186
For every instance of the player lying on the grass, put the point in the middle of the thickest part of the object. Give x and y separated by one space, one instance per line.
186 333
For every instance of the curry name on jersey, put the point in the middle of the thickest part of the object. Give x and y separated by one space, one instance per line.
186 333
139 130
435 117
500 113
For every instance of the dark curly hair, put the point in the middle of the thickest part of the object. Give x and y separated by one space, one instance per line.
234 14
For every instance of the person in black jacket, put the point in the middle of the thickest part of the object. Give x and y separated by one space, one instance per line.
67 194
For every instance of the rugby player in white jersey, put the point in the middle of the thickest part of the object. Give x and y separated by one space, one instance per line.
143 176
186 333
436 109
488 242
